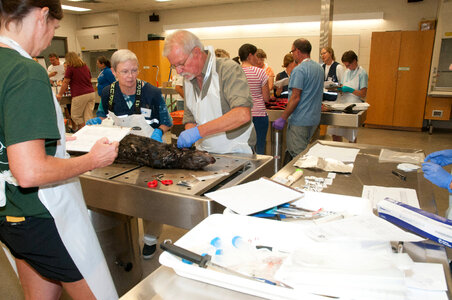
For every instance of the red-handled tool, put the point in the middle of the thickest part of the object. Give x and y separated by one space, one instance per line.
154 183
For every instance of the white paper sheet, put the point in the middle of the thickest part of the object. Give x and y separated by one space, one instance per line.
426 276
360 228
377 193
334 202
89 135
338 153
282 82
137 123
254 196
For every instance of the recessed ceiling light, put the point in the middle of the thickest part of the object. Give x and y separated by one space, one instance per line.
73 8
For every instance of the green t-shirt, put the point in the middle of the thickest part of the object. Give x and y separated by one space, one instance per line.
27 112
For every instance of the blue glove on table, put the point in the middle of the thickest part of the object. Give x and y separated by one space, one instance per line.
437 175
442 158
157 135
346 89
279 124
188 137
94 121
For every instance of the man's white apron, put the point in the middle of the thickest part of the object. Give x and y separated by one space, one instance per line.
209 108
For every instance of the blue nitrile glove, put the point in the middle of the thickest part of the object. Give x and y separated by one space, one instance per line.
279 123
346 89
442 158
437 175
157 135
94 121
188 137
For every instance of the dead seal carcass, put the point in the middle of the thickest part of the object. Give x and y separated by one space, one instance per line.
134 149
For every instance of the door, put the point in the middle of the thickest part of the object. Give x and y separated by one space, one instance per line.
413 74
382 84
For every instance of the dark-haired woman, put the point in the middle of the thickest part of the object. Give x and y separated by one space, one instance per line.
43 217
258 83
106 76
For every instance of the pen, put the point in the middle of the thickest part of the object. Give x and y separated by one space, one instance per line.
400 175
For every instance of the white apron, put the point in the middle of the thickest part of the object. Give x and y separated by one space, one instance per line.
208 109
353 82
64 201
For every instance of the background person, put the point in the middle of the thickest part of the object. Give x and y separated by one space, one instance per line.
105 77
305 100
333 71
222 53
288 63
55 70
130 96
43 217
434 172
217 97
262 56
258 84
83 96
353 90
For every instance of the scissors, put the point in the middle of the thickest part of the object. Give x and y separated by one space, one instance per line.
154 183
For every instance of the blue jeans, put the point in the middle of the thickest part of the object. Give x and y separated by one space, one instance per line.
261 126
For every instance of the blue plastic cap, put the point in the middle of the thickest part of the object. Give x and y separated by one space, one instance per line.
187 261
216 242
236 240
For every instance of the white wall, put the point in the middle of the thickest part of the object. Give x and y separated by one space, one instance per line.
398 15
68 26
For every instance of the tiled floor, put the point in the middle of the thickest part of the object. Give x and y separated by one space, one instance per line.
440 139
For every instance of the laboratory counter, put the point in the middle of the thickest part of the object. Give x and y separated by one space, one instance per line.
164 283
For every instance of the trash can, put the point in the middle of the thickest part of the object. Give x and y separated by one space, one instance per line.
118 238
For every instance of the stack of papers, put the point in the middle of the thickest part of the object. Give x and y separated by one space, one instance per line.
89 135
254 196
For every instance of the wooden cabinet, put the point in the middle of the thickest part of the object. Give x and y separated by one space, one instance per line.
398 78
149 54
438 108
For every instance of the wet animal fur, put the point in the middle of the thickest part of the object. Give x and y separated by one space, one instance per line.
134 149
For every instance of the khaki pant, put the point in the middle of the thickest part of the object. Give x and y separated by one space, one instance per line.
82 108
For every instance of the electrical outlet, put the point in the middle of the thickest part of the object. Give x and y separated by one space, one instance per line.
437 113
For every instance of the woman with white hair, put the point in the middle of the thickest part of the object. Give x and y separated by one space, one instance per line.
128 96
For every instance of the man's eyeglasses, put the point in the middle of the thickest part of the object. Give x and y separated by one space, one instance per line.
127 72
182 64
293 50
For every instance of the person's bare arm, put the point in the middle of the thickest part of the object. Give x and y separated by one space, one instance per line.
266 92
292 103
229 121
180 90
63 88
31 166
360 93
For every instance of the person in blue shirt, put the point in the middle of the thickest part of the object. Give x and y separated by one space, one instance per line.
130 95
305 100
105 77
127 96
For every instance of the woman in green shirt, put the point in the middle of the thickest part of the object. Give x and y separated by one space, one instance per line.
43 217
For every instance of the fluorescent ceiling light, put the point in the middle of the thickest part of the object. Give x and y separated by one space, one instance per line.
162 0
73 8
